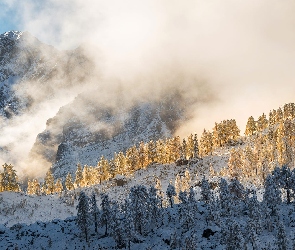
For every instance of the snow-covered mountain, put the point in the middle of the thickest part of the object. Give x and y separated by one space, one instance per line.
32 73
27 64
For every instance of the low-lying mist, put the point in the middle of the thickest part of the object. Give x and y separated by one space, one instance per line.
227 59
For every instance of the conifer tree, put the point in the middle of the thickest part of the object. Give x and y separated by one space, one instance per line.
279 115
206 144
128 222
205 191
190 147
9 180
104 166
160 151
282 239
30 189
170 193
83 219
139 198
94 211
116 226
142 156
79 175
132 159
262 123
236 163
37 188
250 127
225 197
196 146
255 214
105 211
154 207
58 188
49 182
69 182
186 216
272 194
151 152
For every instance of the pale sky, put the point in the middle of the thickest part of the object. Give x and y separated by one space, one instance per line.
244 50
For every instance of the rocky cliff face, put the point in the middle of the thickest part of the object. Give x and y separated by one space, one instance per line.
72 138
83 129
26 64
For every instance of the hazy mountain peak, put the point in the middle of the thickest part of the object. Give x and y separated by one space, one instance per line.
12 35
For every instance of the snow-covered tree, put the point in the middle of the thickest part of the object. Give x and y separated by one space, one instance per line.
9 180
94 211
58 187
49 182
79 175
250 127
139 198
154 207
272 194
206 191
282 239
69 182
83 219
236 163
105 211
170 192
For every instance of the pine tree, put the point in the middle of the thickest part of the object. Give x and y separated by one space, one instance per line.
86 179
262 123
151 152
154 208
279 115
190 147
79 175
139 198
69 183
170 193
206 144
49 182
105 211
36 186
282 239
250 127
205 191
9 180
185 216
236 163
272 194
104 168
225 197
196 146
83 219
128 222
58 188
132 159
235 239
94 211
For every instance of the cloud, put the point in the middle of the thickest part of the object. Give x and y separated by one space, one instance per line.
231 59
